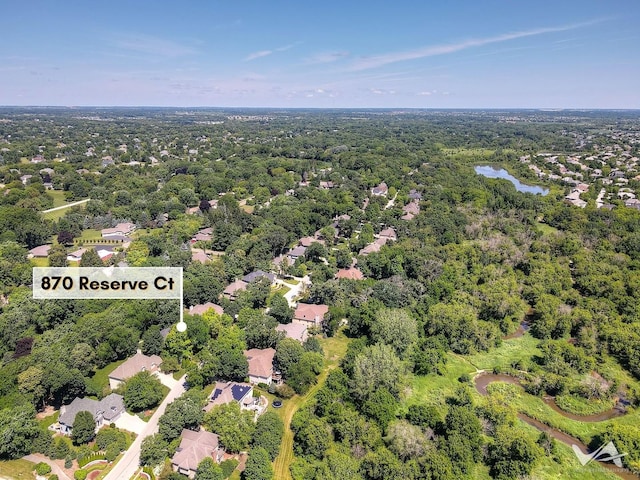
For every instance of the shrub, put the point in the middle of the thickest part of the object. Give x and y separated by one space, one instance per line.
43 468
285 391
68 462
228 466
53 477
80 474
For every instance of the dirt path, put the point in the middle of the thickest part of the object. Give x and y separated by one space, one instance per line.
68 205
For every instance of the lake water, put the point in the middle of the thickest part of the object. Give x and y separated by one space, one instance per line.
495 172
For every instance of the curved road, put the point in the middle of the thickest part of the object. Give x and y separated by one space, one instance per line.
130 462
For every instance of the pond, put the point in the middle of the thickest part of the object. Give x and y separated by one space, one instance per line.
495 172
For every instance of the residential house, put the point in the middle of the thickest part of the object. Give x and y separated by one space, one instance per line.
415 195
410 210
310 314
388 233
228 392
296 252
297 331
195 447
199 256
351 273
200 309
380 190
133 365
40 252
25 179
232 290
257 274
122 229
104 411
260 365
38 159
76 256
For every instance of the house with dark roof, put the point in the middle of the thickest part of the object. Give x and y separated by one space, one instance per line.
133 365
228 392
104 411
310 314
257 274
380 190
296 252
195 447
260 365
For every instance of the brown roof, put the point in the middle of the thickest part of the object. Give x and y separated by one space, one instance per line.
41 251
136 364
199 256
194 447
260 361
200 309
388 233
297 331
350 273
310 313
234 287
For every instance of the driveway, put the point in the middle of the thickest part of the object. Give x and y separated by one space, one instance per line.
131 423
37 458
294 290
130 462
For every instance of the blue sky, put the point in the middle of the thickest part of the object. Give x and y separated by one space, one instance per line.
421 54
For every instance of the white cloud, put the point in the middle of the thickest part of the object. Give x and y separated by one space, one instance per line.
433 50
259 54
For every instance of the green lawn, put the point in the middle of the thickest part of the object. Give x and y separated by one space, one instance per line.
280 289
58 197
100 379
90 235
50 420
17 469
291 281
39 262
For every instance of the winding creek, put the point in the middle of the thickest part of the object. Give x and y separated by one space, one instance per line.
483 380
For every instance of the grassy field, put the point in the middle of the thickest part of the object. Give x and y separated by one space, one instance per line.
334 349
58 197
39 262
16 469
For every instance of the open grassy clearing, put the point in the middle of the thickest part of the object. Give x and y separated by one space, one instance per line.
17 469
58 197
39 262
334 349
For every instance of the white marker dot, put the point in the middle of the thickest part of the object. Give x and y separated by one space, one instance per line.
181 326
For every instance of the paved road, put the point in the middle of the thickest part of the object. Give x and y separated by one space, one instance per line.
68 205
130 462
37 458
